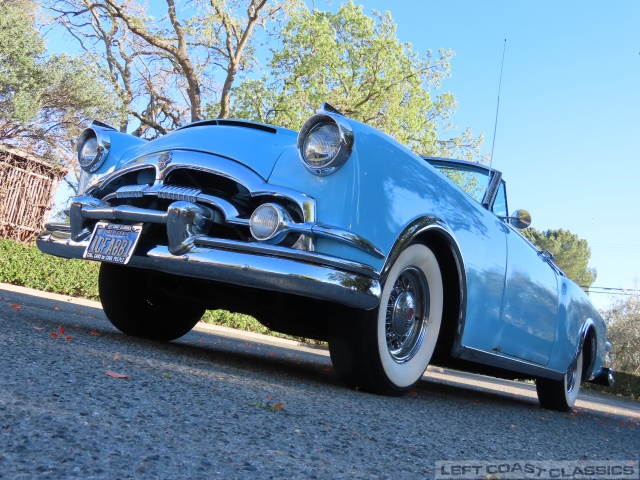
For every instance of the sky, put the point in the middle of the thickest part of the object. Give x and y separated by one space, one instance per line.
569 117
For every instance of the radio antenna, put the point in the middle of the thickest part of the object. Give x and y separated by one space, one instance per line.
495 126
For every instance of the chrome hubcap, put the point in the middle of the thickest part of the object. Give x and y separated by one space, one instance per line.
407 315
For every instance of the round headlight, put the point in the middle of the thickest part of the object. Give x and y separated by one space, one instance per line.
264 222
93 147
321 145
269 222
88 152
325 142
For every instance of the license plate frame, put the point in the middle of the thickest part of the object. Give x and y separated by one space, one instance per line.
113 242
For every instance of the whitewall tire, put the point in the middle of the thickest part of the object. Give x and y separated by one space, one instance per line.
387 350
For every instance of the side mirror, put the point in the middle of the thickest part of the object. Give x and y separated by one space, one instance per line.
520 219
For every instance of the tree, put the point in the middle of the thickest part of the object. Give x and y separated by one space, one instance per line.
356 63
167 60
44 101
623 321
571 253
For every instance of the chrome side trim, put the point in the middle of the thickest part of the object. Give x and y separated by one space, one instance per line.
499 360
345 236
336 283
301 255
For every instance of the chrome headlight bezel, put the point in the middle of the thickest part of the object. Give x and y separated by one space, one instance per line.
93 161
343 146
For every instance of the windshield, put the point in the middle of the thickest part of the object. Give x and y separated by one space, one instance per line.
472 180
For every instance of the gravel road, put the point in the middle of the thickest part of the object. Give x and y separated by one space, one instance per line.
221 404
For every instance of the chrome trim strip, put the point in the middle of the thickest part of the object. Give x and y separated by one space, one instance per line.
505 362
285 275
345 236
124 212
274 250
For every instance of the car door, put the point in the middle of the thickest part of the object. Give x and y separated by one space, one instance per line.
529 312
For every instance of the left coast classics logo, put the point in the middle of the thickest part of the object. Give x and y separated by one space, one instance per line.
164 160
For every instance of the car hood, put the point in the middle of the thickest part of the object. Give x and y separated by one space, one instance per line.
255 145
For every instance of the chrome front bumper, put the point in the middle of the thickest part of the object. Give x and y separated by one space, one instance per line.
266 267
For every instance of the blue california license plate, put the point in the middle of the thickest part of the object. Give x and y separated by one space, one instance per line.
112 242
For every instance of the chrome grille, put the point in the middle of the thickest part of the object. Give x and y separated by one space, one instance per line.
179 193
131 191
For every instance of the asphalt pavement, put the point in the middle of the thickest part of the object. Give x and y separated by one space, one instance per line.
78 399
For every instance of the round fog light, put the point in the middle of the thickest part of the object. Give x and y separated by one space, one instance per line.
266 222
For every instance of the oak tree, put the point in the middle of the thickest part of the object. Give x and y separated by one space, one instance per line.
356 63
571 253
44 100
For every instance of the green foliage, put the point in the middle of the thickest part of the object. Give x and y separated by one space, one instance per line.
44 101
623 321
26 266
626 385
571 253
356 63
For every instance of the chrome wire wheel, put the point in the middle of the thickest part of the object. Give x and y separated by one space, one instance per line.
407 314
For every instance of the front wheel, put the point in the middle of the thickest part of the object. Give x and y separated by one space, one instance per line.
387 350
561 394
139 303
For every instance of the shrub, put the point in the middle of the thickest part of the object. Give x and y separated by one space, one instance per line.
26 266
626 385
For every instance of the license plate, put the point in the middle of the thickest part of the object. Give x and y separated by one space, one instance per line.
111 242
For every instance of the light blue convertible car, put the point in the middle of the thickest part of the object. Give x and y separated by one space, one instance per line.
336 233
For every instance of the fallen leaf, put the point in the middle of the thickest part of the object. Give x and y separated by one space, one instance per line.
38 328
60 330
116 357
95 332
79 311
200 341
53 335
68 337
56 307
277 407
116 375
16 306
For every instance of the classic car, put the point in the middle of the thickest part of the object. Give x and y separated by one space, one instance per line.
337 233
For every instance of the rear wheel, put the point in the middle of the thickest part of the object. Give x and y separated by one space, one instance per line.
386 350
139 303
561 394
